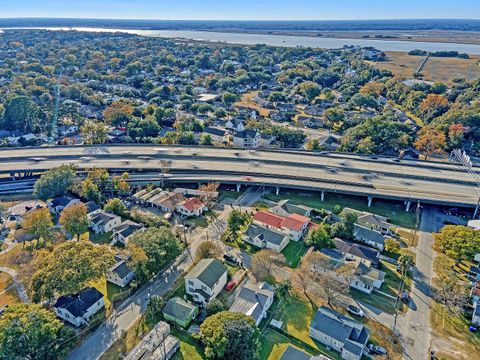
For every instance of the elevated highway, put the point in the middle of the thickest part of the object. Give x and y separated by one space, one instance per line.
405 180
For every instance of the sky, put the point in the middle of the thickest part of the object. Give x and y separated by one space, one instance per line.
243 9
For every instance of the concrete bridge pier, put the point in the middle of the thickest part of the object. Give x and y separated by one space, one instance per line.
322 197
370 199
277 190
239 186
407 205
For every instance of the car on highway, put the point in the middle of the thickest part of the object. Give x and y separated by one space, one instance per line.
375 349
354 310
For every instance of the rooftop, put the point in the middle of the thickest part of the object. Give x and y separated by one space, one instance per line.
78 304
208 271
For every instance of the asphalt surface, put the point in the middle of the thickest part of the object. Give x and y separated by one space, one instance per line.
433 182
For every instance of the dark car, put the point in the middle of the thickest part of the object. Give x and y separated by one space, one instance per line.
231 259
375 349
404 297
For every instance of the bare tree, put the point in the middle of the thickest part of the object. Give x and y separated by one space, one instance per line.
208 250
265 262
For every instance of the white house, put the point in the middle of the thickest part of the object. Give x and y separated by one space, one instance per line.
368 236
367 279
254 300
247 138
59 203
476 314
235 125
122 232
102 222
217 134
77 309
265 238
294 225
191 207
339 332
120 274
205 281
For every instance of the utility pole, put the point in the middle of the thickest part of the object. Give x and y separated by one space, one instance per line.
465 161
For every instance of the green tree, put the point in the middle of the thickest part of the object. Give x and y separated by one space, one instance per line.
117 207
160 246
344 228
228 99
458 242
29 331
214 306
392 245
319 237
21 113
55 182
236 220
206 140
310 90
94 132
38 223
90 191
68 268
230 336
74 219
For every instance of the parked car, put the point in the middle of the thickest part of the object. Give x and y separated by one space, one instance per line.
404 297
375 349
232 259
231 285
352 309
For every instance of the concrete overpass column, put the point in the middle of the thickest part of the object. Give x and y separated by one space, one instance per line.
370 199
322 197
407 206
277 190
239 186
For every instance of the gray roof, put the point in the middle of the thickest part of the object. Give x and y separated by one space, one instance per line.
268 235
62 200
127 228
78 304
362 233
363 252
214 131
292 353
121 269
339 327
208 271
102 217
179 308
290 208
247 134
251 299
476 312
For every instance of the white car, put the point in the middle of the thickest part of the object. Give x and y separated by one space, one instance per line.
352 309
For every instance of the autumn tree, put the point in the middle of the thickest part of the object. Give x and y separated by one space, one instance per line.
458 242
29 331
319 237
118 113
372 88
265 262
208 250
230 336
74 219
455 135
68 268
433 105
392 245
94 132
120 183
55 182
117 207
38 223
430 141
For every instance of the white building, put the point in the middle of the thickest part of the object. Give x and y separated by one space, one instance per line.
77 309
254 300
120 274
205 281
247 139
191 207
102 222
59 203
265 238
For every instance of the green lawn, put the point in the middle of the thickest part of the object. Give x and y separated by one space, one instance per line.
395 211
230 194
381 302
195 222
189 348
274 344
100 238
293 253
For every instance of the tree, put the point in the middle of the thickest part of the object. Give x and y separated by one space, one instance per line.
455 135
208 250
160 246
206 140
29 331
310 90
155 307
431 141
38 223
214 306
406 259
117 207
228 99
237 220
458 242
230 336
118 113
74 219
433 105
21 113
320 238
265 262
449 290
372 88
363 101
68 268
90 191
120 184
94 132
344 228
392 245
55 182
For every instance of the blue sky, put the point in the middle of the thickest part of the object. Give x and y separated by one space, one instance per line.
243 9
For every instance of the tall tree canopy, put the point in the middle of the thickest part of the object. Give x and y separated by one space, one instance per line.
74 219
458 242
55 182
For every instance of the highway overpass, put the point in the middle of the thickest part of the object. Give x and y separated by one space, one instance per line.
405 180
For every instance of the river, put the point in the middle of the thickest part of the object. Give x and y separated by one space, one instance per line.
290 41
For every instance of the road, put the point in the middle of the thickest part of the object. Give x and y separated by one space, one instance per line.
125 315
433 182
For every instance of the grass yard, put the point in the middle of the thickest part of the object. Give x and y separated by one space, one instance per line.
381 302
189 348
247 101
17 257
395 211
229 194
274 344
195 222
100 238
293 253
8 293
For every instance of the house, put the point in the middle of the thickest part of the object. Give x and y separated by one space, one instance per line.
292 353
339 332
293 225
158 344
235 125
67 130
265 238
372 221
206 280
77 309
165 201
367 279
254 300
286 208
370 237
180 311
120 274
329 142
475 293
191 207
102 222
358 253
247 138
122 232
92 207
267 140
476 315
207 98
59 203
217 134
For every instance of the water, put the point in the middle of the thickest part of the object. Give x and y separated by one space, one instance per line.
291 41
